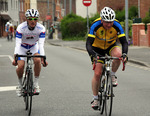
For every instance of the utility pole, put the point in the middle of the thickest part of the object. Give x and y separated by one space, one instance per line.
139 8
65 7
53 7
87 20
70 6
126 19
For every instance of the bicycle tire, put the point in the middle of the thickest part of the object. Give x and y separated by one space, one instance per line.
101 95
108 95
25 83
30 91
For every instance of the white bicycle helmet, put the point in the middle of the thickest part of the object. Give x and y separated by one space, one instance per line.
7 23
107 14
32 13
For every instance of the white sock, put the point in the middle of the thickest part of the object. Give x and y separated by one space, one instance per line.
20 81
95 96
36 81
113 73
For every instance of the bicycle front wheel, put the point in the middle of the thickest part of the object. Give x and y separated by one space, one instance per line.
30 91
25 95
101 95
108 96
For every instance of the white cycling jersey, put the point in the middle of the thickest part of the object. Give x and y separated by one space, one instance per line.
30 39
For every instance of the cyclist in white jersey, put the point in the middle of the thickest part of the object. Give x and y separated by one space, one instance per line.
30 35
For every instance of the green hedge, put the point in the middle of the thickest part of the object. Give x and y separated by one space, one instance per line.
73 25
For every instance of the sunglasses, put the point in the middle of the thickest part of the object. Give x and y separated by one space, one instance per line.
32 19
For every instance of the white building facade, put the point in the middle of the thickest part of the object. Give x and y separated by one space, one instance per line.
81 10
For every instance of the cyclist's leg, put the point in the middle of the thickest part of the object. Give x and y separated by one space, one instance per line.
20 68
37 65
97 72
95 85
21 62
37 68
37 61
96 79
19 72
11 36
8 36
115 52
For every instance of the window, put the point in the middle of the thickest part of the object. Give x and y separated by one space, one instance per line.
6 6
2 6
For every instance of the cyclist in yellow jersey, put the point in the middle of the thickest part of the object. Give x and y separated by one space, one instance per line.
102 38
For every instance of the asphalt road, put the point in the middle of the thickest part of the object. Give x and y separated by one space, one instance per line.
66 86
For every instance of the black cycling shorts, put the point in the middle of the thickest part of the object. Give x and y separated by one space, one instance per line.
102 52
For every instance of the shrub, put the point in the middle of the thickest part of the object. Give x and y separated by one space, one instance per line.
93 18
146 20
73 25
133 13
120 15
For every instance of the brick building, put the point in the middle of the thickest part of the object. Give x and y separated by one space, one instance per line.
24 5
42 6
144 5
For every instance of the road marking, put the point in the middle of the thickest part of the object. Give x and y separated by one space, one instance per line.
10 57
8 88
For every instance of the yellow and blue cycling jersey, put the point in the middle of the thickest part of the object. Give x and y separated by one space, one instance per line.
103 38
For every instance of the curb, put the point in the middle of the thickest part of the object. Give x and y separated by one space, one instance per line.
140 63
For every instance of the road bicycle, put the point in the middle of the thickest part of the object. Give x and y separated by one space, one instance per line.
28 88
10 36
106 88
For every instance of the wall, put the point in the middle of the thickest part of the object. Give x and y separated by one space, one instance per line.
33 4
145 5
139 36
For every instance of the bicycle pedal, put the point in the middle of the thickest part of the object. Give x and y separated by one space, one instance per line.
35 93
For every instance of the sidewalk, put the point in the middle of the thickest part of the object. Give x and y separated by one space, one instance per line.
136 54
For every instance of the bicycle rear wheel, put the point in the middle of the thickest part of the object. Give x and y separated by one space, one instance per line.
108 96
